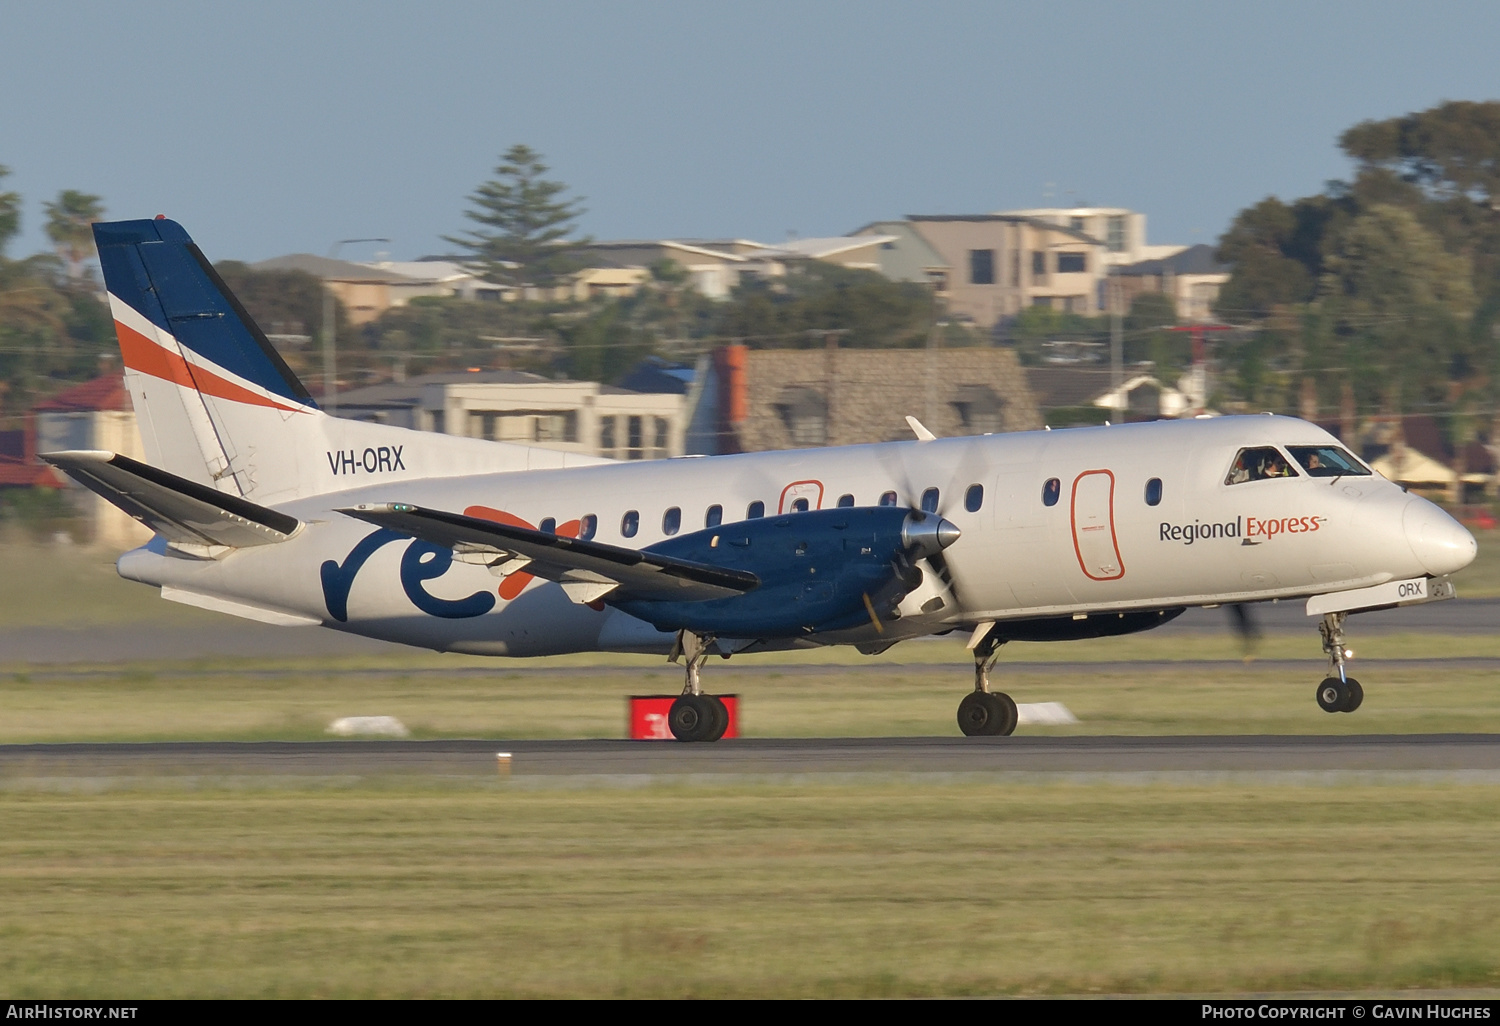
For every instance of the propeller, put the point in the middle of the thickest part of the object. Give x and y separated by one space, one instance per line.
933 502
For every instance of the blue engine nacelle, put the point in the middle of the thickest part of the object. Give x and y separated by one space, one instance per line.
823 570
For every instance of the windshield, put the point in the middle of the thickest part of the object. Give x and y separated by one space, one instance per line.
1258 464
1327 461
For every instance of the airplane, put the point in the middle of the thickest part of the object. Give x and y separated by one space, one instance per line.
265 507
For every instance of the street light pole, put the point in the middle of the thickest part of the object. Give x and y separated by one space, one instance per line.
330 353
1116 340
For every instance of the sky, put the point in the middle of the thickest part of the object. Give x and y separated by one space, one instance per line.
275 127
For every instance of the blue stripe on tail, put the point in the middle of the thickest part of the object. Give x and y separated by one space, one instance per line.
155 268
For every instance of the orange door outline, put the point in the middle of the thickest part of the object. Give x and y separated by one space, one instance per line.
811 490
1098 537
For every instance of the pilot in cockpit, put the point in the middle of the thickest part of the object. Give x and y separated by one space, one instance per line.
1258 464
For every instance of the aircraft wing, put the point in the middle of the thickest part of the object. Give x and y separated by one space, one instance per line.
180 510
588 570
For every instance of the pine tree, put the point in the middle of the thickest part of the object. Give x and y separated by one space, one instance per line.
524 223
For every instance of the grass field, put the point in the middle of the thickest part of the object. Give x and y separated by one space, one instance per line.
298 703
923 885
880 889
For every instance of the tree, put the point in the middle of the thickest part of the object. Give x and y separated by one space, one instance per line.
869 310
1399 302
524 223
1277 253
10 214
1451 150
69 226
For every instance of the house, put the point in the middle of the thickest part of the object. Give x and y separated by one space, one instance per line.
516 406
94 415
1122 231
713 266
1070 395
1192 278
990 267
366 292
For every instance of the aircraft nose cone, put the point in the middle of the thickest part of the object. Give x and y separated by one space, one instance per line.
1440 543
928 534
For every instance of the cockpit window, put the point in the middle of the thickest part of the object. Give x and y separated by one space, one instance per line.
1327 461
1258 465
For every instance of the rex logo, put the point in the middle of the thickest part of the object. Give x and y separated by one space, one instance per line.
1250 530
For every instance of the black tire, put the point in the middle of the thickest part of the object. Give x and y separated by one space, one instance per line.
981 715
720 717
690 718
1356 695
1010 715
1332 694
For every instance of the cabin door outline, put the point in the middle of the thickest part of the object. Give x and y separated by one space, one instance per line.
1093 521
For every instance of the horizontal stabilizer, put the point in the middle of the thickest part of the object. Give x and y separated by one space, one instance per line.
179 510
638 574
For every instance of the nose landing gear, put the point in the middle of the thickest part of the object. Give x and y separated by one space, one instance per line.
1339 692
695 716
986 713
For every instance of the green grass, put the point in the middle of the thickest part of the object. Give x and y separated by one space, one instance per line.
71 586
1481 579
787 701
820 890
143 887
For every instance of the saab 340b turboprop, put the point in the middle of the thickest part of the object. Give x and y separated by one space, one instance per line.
265 507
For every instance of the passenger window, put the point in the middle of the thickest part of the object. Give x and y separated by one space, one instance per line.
930 500
1258 464
888 498
755 510
630 523
846 500
1327 461
588 527
799 505
974 498
1153 491
671 520
714 516
548 525
1050 491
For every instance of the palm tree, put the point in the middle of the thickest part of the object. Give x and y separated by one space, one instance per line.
69 222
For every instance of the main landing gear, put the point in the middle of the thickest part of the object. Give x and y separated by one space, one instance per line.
986 713
1339 692
695 716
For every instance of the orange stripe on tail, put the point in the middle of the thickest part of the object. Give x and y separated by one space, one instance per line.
145 356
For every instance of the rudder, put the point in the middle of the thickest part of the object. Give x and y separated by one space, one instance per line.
210 391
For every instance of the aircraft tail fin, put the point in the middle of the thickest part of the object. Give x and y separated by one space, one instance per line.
206 383
219 407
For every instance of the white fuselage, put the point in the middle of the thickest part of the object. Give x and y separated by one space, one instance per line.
1100 547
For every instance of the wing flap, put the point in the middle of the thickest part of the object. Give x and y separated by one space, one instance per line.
179 510
571 561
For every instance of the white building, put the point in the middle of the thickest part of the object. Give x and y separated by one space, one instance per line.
515 406
1122 231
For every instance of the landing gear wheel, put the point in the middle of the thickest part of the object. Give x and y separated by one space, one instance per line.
1333 695
1356 695
1012 714
720 716
986 714
692 718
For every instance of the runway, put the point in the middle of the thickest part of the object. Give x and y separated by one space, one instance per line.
1473 754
